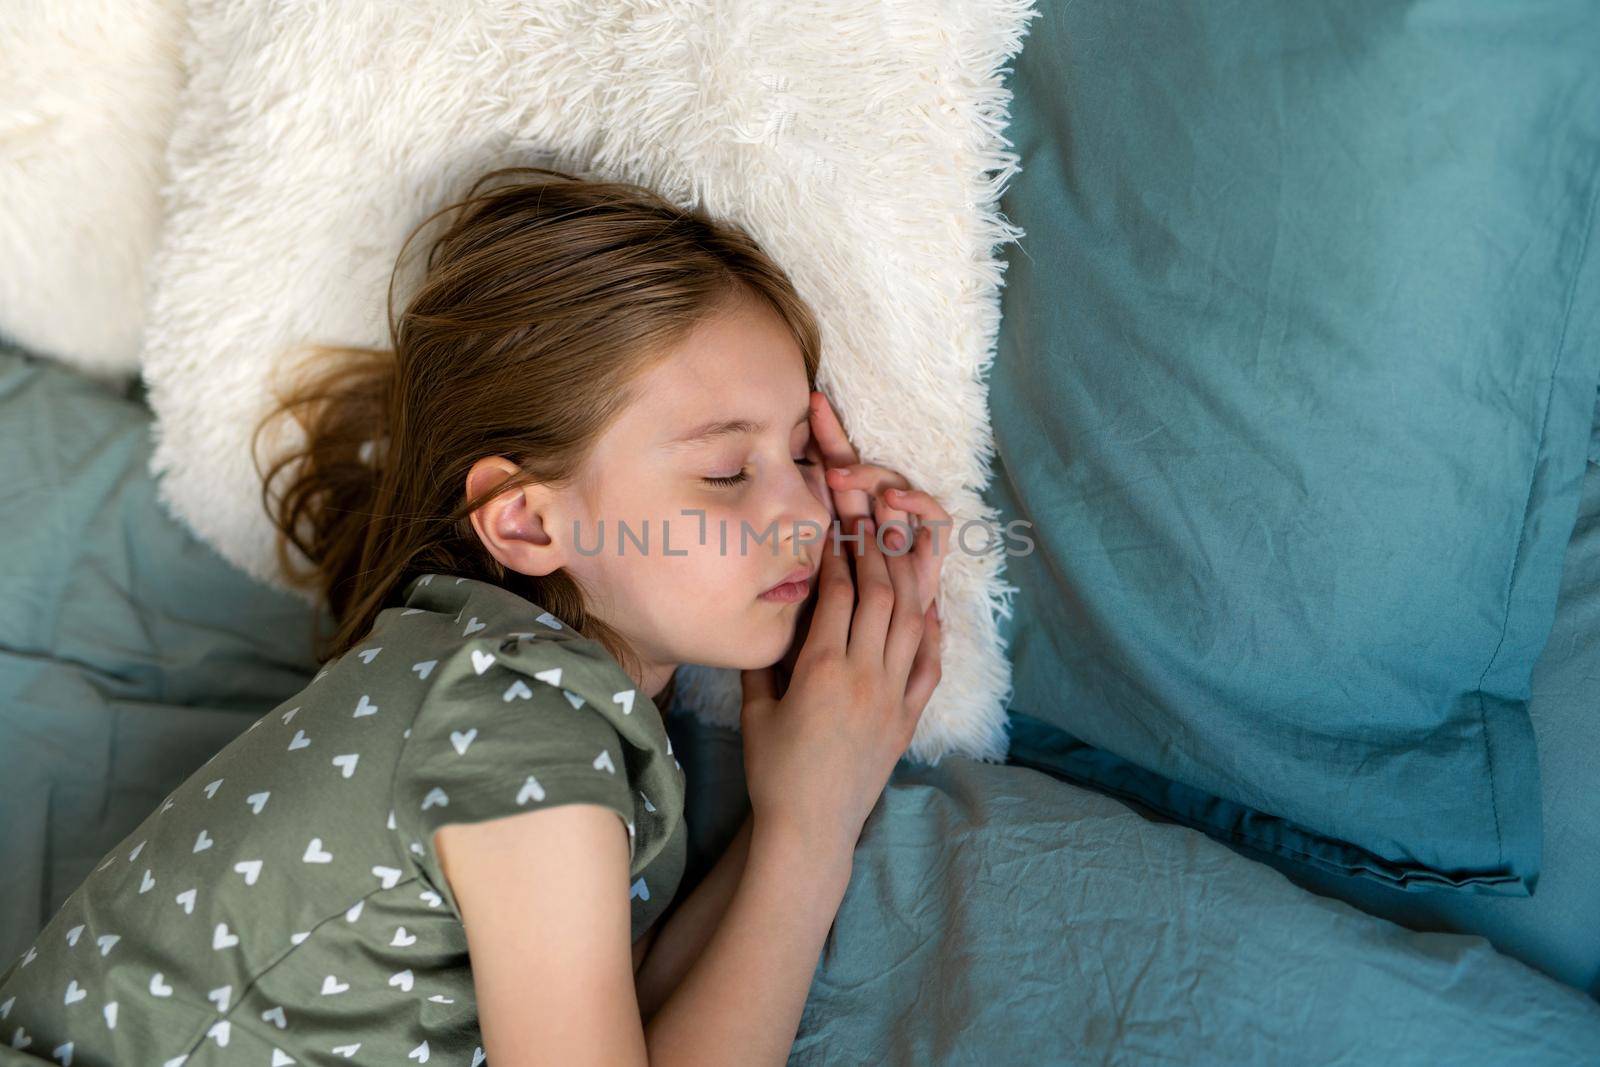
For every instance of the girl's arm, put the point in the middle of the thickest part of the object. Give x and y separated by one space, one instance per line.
741 1000
680 937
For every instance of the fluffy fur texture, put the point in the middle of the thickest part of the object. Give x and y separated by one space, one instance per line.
87 94
860 143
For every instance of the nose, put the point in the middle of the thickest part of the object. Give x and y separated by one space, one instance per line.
807 515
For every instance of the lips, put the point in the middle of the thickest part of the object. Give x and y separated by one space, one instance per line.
799 574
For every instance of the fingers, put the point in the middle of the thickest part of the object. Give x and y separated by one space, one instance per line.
912 514
828 431
906 623
758 686
932 534
868 476
892 495
926 668
875 596
898 530
858 489
918 503
836 597
828 435
861 490
926 561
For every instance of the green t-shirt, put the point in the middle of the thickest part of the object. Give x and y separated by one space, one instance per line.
285 904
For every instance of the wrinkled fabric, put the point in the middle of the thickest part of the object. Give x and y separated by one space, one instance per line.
1295 379
996 914
130 652
1557 929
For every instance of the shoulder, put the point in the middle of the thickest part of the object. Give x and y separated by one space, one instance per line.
502 709
521 711
490 646
490 740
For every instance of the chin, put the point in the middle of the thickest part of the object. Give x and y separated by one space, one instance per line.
745 661
749 645
768 644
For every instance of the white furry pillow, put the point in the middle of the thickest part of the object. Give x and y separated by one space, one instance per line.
87 94
858 142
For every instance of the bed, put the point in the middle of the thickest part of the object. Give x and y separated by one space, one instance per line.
996 914
1061 903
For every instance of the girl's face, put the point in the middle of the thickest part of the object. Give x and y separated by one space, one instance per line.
716 488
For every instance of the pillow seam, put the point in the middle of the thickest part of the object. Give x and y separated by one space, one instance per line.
1522 534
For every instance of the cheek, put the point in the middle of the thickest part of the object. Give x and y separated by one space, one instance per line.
706 552
717 524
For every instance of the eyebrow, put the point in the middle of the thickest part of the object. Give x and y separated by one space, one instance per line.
724 428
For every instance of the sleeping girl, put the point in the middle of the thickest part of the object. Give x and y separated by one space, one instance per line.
593 451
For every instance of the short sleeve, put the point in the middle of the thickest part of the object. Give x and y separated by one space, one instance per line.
498 741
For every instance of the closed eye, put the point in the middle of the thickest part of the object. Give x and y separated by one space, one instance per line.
743 476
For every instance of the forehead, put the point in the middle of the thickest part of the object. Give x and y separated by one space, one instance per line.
739 363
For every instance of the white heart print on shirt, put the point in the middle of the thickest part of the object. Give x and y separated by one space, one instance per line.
222 938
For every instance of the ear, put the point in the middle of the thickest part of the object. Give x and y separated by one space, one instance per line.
517 526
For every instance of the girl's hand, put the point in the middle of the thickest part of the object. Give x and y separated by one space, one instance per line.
817 759
862 489
856 493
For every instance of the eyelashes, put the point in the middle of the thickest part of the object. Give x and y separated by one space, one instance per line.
743 476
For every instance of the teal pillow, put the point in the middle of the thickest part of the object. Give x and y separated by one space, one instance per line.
1557 929
1295 382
